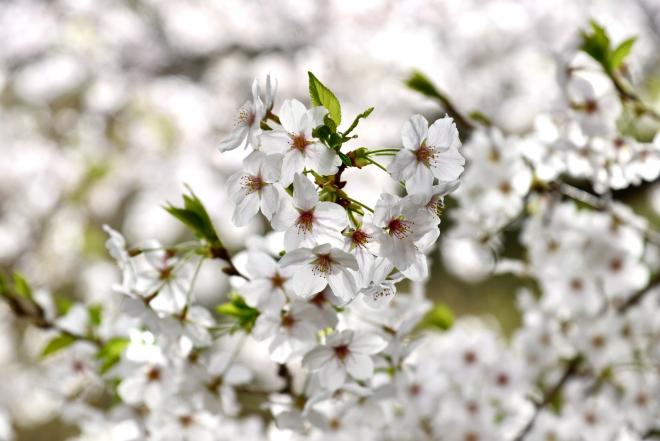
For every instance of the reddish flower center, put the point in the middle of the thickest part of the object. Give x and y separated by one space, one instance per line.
299 142
247 117
342 352
399 227
277 280
186 420
319 299
502 379
359 238
305 221
252 184
590 106
616 264
323 264
470 357
165 273
425 154
288 321
577 284
153 374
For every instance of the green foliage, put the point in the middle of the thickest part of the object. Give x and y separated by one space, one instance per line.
360 157
356 121
62 304
478 116
95 315
322 96
440 317
110 353
21 286
236 308
596 43
621 52
194 216
345 159
419 82
56 344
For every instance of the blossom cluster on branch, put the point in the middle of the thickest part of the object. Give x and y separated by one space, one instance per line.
327 332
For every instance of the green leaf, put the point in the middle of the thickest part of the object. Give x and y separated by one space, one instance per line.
21 286
322 96
478 116
596 44
57 344
95 314
62 304
330 123
345 159
621 52
357 119
244 314
440 317
110 353
419 82
193 214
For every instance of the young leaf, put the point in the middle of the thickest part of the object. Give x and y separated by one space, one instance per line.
322 96
21 286
420 83
244 314
597 44
345 159
621 52
57 344
440 317
194 216
110 352
357 119
95 314
62 304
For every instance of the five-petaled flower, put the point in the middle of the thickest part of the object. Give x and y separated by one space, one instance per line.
294 139
306 220
429 152
321 266
345 352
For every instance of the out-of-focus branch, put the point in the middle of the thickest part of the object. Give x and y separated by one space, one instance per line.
419 82
570 370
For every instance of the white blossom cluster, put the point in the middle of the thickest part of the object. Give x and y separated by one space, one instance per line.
326 332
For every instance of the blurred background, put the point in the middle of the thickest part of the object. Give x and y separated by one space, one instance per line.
107 107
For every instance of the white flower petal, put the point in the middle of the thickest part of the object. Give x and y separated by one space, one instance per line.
414 132
359 366
304 192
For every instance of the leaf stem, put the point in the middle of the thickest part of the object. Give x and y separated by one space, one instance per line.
366 207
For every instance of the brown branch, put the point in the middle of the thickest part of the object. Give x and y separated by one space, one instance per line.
551 394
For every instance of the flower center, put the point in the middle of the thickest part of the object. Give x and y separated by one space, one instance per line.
299 142
277 280
323 264
425 154
305 220
591 106
359 238
247 117
399 227
186 420
252 184
342 352
153 374
166 273
436 205
288 321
